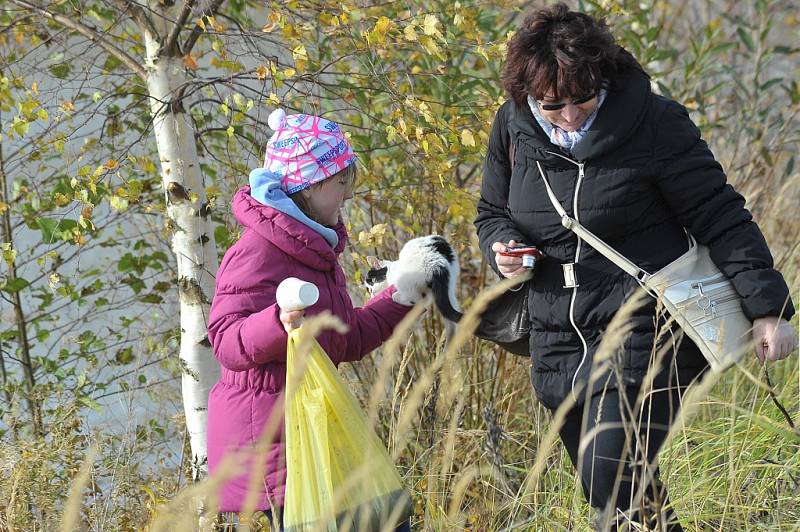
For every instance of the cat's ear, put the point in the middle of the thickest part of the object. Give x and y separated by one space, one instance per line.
374 262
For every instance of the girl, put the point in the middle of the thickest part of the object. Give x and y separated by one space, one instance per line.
292 228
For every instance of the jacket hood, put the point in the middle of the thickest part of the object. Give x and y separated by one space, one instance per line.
286 233
620 115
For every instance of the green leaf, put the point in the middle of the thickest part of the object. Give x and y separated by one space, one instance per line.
152 298
48 228
746 39
124 356
61 70
767 84
91 403
766 156
14 285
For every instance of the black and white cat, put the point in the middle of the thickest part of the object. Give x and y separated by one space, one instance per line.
425 264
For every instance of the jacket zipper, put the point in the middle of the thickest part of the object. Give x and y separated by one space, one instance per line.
581 166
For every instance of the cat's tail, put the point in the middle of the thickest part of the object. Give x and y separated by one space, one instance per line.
443 291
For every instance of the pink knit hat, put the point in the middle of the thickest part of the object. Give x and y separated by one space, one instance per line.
305 149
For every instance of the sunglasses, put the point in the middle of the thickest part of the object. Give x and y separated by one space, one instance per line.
560 105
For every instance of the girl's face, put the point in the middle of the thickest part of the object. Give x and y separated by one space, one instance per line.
326 200
572 115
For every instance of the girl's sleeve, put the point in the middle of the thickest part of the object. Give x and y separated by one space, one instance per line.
695 187
243 325
245 330
374 324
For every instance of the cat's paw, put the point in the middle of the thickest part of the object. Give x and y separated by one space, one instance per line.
409 297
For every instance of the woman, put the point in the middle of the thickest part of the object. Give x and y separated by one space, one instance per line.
631 167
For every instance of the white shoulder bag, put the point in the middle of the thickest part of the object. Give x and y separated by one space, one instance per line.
694 291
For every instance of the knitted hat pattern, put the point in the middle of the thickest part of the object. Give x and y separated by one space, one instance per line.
305 149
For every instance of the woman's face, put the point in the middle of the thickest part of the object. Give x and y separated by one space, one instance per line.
570 117
326 200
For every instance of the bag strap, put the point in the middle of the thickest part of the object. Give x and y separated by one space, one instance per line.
590 238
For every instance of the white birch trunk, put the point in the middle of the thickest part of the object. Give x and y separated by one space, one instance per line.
192 234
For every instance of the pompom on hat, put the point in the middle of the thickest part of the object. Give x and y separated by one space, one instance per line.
305 149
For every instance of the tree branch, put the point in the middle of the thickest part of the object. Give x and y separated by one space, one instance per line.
171 46
19 313
88 32
139 15
190 42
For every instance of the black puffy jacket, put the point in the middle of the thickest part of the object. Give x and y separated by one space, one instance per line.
640 176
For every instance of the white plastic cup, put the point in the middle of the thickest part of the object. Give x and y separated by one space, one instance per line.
294 294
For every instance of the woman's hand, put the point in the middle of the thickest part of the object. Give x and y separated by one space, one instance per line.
774 338
508 266
291 318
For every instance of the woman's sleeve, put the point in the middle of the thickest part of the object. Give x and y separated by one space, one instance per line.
374 324
493 222
694 186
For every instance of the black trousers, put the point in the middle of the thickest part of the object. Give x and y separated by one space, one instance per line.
613 439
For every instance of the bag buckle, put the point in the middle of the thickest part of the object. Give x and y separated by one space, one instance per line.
570 280
705 304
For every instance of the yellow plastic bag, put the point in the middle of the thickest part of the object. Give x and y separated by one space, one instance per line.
339 474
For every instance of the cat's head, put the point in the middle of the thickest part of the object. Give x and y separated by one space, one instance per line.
375 280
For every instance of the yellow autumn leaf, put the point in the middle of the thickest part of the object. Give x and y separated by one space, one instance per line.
290 31
410 33
430 46
61 199
118 204
262 72
289 72
383 26
429 25
201 23
299 52
328 19
219 27
273 99
111 164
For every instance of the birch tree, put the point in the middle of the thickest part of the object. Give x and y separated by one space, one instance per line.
163 72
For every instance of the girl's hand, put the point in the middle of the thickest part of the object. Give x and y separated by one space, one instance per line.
774 338
291 319
508 266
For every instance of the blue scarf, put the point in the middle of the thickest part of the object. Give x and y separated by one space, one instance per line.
265 187
565 139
